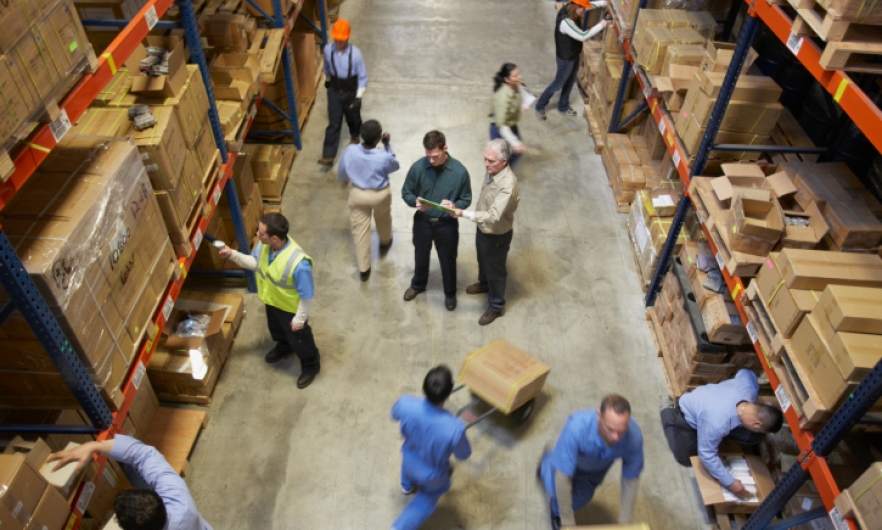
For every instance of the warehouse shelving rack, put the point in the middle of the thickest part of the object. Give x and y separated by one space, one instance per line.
23 291
866 115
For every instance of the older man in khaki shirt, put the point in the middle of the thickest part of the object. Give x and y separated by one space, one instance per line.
494 214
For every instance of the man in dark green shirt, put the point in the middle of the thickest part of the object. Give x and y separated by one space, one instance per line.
437 177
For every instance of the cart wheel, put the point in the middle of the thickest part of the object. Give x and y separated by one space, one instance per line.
523 414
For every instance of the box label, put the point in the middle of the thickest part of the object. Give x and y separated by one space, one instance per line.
151 18
167 308
646 91
783 398
60 126
698 214
662 126
85 496
197 239
794 43
676 158
838 521
720 261
751 332
140 371
217 194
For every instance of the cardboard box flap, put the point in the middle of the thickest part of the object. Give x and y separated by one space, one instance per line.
712 492
743 170
780 184
724 187
178 315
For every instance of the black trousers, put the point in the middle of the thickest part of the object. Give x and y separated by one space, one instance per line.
339 106
492 254
301 343
683 439
445 235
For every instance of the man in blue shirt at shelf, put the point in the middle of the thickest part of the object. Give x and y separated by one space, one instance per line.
367 168
285 285
702 418
167 505
589 444
346 81
431 435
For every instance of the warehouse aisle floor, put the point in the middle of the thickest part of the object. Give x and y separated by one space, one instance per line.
275 457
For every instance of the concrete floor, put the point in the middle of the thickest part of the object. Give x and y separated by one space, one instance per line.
275 457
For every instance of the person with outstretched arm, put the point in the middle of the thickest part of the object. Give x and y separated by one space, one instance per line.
167 505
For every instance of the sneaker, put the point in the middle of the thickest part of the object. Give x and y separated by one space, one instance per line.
569 112
409 491
411 293
541 114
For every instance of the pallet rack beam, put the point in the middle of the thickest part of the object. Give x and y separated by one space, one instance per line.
39 144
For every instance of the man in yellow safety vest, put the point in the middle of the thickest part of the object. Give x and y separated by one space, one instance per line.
285 285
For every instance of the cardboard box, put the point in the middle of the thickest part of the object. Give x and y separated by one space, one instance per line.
756 88
143 408
805 237
192 343
682 54
160 86
227 68
815 269
162 148
17 18
855 354
853 309
750 187
852 224
503 375
23 483
863 499
722 321
786 306
740 116
52 512
264 159
712 492
815 185
718 55
816 358
760 219
227 33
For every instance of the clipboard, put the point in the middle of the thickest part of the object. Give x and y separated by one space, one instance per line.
436 205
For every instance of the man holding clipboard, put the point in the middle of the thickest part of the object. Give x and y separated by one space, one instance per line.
432 179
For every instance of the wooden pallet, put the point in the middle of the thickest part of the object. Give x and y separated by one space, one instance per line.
850 45
267 46
173 433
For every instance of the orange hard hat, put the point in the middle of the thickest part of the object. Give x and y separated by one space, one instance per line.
584 3
341 30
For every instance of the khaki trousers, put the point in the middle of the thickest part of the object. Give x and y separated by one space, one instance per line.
363 204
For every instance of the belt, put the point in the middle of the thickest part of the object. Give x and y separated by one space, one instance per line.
431 219
370 189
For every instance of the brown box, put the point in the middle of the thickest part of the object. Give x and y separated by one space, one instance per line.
264 159
815 269
852 225
853 309
229 67
52 512
756 88
862 501
740 116
786 306
227 32
760 219
813 185
722 321
805 237
814 354
718 55
712 492
16 18
160 86
503 375
143 408
23 483
162 148
243 178
191 343
855 354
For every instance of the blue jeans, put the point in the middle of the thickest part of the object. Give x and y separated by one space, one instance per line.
494 134
424 502
564 79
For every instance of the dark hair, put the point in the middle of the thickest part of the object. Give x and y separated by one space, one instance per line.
502 74
276 225
371 131
571 13
438 384
140 509
434 140
770 417
619 404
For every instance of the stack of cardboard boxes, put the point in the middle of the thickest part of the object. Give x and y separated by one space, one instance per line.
186 369
649 221
270 167
87 238
658 29
42 46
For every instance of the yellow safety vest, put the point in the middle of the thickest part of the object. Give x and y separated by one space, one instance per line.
275 281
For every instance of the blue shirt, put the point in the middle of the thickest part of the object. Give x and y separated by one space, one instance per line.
367 169
431 435
581 452
161 478
712 410
341 62
302 272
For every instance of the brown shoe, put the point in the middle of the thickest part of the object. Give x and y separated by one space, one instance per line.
475 288
305 380
411 293
326 161
354 140
275 356
488 317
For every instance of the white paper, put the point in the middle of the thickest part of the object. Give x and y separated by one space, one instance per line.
642 234
527 99
662 200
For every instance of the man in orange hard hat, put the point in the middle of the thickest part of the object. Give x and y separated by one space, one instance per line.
568 39
346 81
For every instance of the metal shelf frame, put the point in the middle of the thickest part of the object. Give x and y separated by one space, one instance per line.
21 288
812 461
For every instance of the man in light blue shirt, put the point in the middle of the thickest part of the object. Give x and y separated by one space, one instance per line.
167 505
431 435
368 167
589 444
346 80
705 416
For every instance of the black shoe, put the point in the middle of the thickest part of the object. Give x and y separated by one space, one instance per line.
555 520
274 356
541 114
411 293
365 275
450 303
